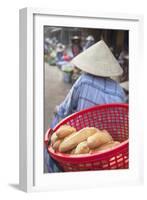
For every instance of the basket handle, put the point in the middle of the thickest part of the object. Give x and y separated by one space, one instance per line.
48 136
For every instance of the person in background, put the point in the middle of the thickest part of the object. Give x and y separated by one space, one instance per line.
123 59
60 50
76 45
76 48
94 86
59 54
125 67
125 86
89 42
122 55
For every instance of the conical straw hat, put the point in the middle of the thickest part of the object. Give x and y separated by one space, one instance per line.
98 60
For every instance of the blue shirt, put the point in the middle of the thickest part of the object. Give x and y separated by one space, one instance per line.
89 91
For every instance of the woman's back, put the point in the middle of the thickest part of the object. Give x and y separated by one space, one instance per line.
94 90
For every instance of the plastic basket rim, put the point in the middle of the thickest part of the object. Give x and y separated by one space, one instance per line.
66 119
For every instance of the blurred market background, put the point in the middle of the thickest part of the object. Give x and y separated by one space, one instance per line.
61 44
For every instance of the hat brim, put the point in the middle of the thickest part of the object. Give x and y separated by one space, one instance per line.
98 60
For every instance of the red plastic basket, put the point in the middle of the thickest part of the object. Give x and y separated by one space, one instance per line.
113 118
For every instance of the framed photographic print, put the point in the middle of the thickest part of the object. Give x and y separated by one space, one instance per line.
78 116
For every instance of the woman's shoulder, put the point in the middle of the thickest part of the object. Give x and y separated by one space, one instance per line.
89 79
114 88
84 78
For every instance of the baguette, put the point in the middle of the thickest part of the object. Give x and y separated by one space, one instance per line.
106 146
99 138
58 142
54 138
72 151
64 131
74 139
82 148
56 145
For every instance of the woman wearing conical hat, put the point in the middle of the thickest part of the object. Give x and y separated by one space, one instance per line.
94 86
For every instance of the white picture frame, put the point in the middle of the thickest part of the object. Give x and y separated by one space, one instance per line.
31 174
